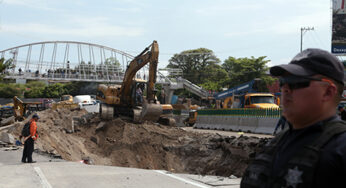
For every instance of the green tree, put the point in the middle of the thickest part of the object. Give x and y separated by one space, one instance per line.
73 88
5 65
216 78
195 64
36 92
35 84
241 70
55 90
34 89
113 65
10 90
112 61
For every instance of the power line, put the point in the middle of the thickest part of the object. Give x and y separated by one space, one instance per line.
318 38
303 30
314 42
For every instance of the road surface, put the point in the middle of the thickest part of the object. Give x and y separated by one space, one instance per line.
57 173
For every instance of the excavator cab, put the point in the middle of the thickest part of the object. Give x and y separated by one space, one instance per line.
138 92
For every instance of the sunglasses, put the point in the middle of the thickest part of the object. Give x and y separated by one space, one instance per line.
299 82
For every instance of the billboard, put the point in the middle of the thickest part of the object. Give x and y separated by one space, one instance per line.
339 27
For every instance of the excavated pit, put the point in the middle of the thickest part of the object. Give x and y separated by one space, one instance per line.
148 145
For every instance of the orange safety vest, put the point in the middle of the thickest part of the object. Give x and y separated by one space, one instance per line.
33 129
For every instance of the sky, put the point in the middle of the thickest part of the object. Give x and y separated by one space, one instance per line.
237 28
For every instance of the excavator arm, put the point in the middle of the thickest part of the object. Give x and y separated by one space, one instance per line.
149 54
19 108
152 73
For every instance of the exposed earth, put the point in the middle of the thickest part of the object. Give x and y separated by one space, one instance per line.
149 145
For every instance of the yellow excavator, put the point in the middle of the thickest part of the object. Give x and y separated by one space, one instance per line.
122 100
22 109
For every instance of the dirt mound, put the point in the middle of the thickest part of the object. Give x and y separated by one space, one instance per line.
148 145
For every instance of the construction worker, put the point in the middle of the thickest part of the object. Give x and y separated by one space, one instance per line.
312 151
139 94
29 140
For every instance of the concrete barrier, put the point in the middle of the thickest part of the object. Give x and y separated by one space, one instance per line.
232 123
202 122
248 124
264 125
223 123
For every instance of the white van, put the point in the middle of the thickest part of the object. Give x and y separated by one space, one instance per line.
83 100
87 103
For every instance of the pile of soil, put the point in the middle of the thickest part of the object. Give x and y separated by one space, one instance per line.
148 145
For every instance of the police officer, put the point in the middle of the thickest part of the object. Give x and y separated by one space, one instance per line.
312 152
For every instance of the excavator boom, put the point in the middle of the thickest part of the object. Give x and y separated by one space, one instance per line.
120 100
149 54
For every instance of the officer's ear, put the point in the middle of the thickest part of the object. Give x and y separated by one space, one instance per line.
330 92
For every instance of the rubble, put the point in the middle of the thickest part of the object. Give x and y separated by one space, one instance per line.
7 138
7 121
147 145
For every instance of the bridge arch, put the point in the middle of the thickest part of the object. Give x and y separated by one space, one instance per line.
67 60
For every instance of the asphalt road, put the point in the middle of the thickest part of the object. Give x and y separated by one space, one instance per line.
48 172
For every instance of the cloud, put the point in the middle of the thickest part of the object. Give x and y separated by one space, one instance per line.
279 62
83 30
36 4
245 33
285 27
130 10
217 9
317 20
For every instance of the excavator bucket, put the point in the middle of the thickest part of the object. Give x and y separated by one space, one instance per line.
150 112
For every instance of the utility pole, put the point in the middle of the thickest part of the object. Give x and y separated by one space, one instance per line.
302 31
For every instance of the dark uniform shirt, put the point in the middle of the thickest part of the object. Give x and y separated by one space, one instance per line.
343 115
331 168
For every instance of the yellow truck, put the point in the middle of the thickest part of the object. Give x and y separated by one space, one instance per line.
246 96
65 102
250 100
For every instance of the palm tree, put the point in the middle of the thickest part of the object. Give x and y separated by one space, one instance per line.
4 65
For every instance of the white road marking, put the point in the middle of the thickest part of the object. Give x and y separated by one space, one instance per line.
43 179
182 179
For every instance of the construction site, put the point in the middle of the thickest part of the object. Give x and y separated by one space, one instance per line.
147 145
127 126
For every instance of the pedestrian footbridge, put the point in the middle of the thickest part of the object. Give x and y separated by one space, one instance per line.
65 61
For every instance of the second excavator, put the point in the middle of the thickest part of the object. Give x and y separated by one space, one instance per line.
122 100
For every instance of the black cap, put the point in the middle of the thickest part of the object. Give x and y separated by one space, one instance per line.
35 116
310 62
